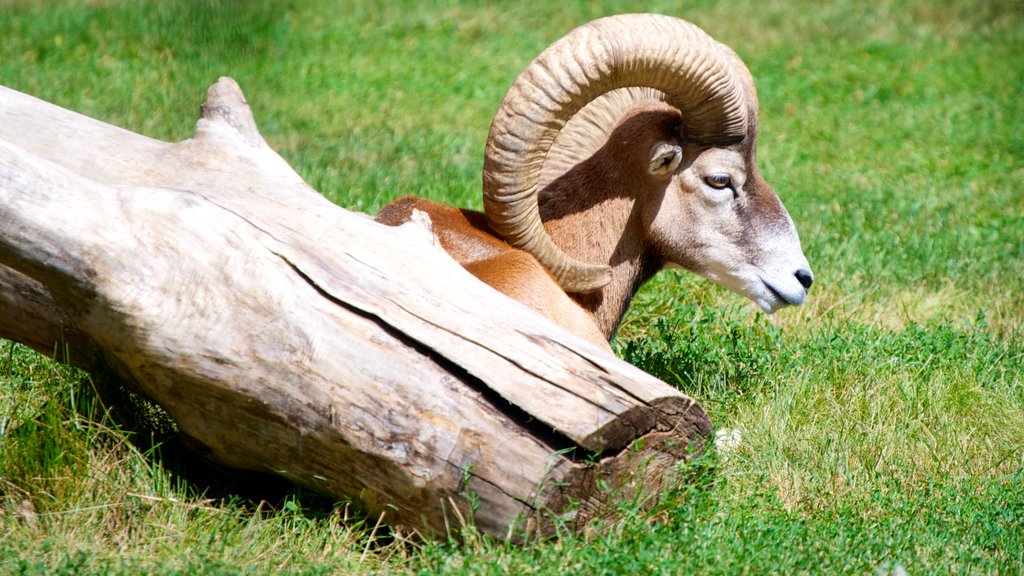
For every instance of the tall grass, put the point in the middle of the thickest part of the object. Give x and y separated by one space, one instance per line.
882 424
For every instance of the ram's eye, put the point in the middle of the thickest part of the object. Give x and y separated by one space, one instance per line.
718 181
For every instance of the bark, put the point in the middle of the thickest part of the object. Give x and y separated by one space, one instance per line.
283 333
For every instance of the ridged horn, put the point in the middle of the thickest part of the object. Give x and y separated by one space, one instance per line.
648 50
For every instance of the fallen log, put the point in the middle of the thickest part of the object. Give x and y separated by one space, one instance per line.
283 333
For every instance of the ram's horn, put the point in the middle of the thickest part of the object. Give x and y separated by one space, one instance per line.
668 54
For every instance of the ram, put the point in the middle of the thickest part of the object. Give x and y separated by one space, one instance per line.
626 147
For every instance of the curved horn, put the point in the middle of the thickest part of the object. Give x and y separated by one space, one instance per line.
650 50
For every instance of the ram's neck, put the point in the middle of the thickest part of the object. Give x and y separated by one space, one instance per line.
606 231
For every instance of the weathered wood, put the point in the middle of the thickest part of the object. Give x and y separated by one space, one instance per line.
284 333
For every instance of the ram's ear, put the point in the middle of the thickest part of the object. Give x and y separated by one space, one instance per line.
665 158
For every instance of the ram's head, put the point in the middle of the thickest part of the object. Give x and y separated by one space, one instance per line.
650 110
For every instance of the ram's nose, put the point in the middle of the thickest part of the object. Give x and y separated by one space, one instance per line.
805 277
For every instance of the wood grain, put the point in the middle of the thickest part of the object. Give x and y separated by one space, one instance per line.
284 333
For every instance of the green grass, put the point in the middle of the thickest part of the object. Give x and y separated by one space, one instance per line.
882 423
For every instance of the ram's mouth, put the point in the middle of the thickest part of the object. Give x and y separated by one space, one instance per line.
778 295
781 297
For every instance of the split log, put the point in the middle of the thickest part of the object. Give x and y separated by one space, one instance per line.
283 333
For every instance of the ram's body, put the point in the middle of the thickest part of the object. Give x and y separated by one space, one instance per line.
593 184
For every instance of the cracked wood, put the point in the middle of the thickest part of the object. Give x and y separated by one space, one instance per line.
286 334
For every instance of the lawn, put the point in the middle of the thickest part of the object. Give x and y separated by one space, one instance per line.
882 423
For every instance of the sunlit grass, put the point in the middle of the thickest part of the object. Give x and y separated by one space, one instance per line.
882 423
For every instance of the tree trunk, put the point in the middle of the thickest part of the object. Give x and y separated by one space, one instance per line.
283 333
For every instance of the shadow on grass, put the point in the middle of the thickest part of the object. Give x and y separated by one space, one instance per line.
156 436
51 448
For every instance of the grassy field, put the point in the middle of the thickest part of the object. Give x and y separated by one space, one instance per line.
882 423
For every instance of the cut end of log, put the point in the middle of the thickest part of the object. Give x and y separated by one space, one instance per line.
589 492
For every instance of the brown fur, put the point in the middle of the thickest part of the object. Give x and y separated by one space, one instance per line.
465 235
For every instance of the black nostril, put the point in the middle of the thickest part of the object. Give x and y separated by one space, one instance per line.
805 278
